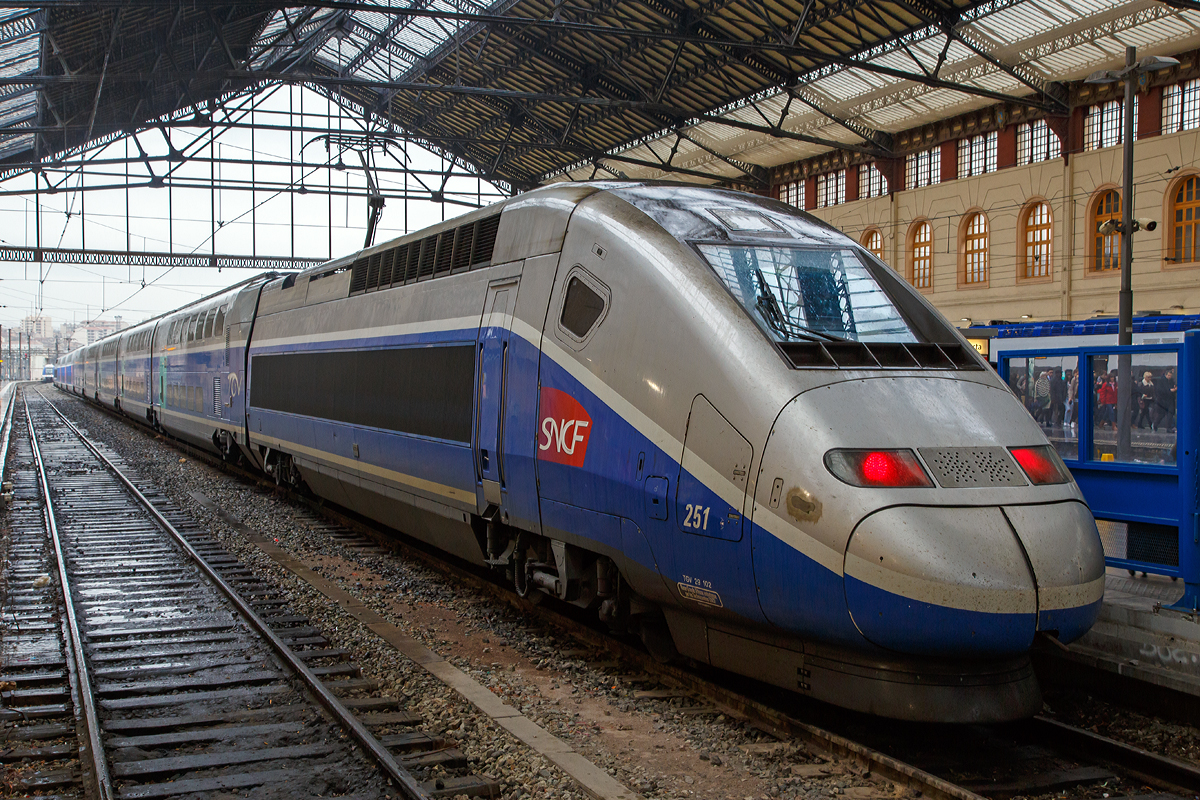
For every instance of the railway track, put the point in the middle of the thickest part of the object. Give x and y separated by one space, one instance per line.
1038 757
145 661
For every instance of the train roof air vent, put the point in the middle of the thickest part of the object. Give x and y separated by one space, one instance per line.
386 267
373 271
358 276
445 253
485 241
428 256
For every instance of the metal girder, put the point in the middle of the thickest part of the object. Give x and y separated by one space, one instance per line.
134 258
71 154
16 90
300 48
21 26
983 46
112 40
250 76
449 153
954 27
880 139
443 144
754 172
381 40
789 51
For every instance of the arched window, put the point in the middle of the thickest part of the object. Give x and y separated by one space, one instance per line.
1038 225
975 249
1186 215
1107 253
920 250
873 241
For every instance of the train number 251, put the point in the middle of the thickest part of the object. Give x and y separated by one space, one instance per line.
697 517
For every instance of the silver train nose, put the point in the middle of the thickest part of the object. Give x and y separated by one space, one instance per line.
939 566
973 582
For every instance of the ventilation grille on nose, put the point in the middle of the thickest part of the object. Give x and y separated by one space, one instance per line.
963 467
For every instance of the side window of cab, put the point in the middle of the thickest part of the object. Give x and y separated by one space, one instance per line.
583 307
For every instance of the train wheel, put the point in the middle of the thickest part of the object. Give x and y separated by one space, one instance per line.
656 636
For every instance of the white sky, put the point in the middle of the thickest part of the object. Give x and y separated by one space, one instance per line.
182 219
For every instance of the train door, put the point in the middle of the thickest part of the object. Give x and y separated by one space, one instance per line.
495 328
711 490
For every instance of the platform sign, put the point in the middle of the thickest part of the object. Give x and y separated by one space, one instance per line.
982 346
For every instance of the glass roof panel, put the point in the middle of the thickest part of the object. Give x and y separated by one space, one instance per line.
15 144
20 54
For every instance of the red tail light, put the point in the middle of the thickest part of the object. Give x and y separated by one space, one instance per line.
1041 464
887 468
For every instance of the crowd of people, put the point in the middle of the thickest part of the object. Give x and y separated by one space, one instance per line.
1053 398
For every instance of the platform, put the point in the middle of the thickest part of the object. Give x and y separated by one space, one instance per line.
1137 636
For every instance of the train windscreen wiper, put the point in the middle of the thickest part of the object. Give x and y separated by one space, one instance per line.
768 308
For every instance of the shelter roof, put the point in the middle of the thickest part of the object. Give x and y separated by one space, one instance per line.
528 91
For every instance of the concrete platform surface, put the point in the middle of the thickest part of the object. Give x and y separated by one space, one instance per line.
1139 637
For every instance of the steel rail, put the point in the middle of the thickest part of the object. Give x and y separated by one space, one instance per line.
1152 767
6 429
87 699
403 778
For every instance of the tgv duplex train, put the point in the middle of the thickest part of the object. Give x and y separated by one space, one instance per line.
703 414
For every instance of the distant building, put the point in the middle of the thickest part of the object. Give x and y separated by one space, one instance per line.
93 332
37 327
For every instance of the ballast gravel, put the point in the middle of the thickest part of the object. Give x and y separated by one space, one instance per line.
660 747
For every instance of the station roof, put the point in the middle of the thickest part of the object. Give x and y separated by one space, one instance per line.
530 91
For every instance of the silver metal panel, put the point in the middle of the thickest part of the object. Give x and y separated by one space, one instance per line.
331 287
955 467
951 552
534 224
1063 545
711 438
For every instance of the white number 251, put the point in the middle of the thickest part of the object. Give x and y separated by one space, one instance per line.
697 517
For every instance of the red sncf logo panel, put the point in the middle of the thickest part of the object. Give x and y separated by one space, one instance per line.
565 429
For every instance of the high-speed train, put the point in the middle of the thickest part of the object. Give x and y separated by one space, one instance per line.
706 415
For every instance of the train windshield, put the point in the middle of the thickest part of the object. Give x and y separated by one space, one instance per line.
809 294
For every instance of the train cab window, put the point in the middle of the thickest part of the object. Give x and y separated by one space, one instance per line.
584 304
811 294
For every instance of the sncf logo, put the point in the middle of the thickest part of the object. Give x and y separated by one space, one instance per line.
565 430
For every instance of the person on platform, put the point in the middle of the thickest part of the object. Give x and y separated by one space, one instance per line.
1164 402
1058 396
1106 397
1071 417
1145 401
1041 398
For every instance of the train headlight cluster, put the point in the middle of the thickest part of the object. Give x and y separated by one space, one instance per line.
1041 464
883 468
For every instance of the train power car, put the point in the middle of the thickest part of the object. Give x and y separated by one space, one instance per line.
706 415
